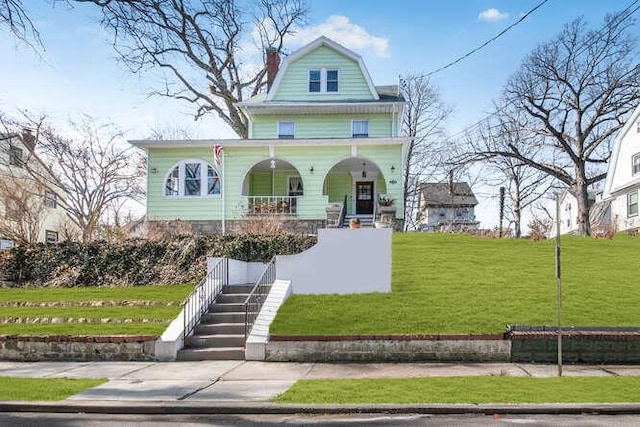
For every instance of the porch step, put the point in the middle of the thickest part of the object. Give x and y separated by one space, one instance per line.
226 307
223 317
222 353
220 328
365 220
232 298
216 340
237 289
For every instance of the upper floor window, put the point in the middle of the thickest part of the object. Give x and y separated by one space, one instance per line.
192 178
286 130
15 156
635 163
360 128
50 199
323 81
632 204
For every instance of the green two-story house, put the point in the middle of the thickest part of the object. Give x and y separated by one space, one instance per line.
324 144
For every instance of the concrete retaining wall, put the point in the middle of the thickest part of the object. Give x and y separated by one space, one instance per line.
81 348
389 349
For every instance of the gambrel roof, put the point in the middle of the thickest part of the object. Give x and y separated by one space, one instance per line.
321 41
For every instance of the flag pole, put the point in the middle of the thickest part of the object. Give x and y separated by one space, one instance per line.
223 193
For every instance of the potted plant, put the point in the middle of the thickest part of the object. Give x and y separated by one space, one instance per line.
384 200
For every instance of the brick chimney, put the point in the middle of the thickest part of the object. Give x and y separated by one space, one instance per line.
273 63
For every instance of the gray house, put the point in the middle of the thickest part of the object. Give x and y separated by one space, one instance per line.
447 206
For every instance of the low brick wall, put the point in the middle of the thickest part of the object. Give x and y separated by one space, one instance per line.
27 348
405 348
580 347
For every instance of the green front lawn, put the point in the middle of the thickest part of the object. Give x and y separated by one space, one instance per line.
44 388
475 390
458 284
159 293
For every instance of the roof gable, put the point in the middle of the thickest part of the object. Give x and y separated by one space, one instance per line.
445 194
614 178
320 42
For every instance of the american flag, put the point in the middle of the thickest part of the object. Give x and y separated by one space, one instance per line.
217 155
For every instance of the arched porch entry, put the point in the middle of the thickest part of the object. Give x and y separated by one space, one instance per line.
272 186
355 183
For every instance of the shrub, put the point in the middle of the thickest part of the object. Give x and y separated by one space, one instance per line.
138 262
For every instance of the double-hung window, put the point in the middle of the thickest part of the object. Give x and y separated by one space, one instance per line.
50 199
323 81
635 164
51 236
192 178
632 204
286 130
360 128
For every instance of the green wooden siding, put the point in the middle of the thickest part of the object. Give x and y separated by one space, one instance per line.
352 84
322 125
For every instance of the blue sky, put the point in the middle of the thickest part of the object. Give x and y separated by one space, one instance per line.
78 72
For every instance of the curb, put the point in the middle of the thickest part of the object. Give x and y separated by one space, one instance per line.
216 407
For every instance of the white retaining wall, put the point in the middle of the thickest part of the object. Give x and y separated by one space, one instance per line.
344 261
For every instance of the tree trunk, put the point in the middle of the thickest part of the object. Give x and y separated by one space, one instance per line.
582 196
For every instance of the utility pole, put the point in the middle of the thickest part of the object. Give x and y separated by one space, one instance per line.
559 279
501 210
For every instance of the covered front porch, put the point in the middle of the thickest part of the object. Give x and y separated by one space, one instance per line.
276 186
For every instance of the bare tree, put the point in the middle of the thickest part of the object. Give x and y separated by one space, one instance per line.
14 17
577 91
424 117
91 170
23 203
525 184
199 46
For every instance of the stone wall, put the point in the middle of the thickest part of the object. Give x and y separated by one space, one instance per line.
586 347
440 348
25 348
231 226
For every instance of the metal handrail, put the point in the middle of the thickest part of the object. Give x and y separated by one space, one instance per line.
258 295
205 292
343 212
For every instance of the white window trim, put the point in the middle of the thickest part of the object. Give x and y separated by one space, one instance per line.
635 158
286 121
204 165
323 80
360 120
629 214
53 233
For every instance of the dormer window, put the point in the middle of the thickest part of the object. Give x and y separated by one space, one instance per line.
360 129
635 164
286 130
323 81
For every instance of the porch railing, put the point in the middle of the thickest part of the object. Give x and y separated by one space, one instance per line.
254 302
198 302
272 205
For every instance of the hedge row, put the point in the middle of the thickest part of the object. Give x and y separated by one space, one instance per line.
137 262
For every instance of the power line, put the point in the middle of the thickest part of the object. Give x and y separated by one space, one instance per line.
621 16
497 36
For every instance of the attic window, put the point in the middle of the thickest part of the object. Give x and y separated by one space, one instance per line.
323 81
635 164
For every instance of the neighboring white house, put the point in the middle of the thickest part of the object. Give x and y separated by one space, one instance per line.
622 184
569 213
16 152
447 207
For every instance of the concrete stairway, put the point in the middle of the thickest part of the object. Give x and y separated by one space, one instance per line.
220 333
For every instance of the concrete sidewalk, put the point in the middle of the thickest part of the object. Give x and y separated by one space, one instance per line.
242 382
240 387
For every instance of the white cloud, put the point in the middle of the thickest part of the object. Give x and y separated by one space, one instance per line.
338 28
492 15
